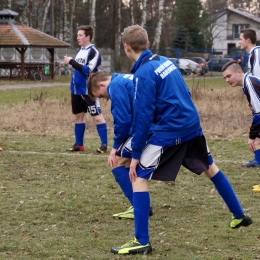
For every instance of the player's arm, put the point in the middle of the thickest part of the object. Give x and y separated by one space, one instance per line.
144 106
122 114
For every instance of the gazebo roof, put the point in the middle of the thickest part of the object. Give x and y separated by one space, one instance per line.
13 34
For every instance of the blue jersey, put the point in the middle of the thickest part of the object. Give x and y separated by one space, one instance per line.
161 97
121 93
251 88
87 60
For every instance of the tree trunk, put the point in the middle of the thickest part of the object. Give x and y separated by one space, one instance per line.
118 36
46 10
93 17
158 31
132 11
144 14
71 22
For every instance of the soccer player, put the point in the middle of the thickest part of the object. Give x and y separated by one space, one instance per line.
87 60
247 41
119 88
161 96
234 75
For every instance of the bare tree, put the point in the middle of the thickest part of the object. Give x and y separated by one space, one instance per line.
118 36
71 21
144 13
46 11
93 17
158 31
132 11
9 4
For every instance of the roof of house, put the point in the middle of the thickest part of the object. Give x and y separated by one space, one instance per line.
14 34
239 11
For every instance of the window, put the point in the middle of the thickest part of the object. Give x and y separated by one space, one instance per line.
237 28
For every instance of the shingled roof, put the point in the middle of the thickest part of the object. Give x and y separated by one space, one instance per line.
14 34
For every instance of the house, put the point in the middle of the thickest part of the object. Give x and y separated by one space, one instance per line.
227 26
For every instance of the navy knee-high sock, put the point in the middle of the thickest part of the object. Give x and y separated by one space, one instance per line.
227 193
121 175
141 201
79 130
257 155
102 132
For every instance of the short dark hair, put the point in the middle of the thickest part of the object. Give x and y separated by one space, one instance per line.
249 33
88 29
231 63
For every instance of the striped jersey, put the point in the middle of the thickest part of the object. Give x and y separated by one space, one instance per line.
254 61
87 60
251 88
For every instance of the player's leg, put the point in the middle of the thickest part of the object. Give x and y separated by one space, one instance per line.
101 126
256 161
227 193
121 174
78 109
141 203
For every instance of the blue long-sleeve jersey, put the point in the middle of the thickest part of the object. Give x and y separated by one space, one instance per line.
121 93
161 97
87 60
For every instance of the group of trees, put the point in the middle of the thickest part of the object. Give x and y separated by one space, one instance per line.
170 24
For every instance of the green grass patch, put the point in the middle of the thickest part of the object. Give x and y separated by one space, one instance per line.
59 205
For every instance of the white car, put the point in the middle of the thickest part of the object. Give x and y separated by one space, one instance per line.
195 67
183 65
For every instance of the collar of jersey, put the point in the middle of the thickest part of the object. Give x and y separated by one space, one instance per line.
86 48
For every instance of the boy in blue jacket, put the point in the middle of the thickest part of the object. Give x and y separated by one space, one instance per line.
119 88
162 97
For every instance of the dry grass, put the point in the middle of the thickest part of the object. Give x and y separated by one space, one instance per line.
224 113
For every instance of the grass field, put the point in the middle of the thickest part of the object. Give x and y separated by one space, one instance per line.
58 205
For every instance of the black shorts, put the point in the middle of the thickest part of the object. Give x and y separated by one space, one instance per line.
163 162
83 103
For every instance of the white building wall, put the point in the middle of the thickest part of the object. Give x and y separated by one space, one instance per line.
223 34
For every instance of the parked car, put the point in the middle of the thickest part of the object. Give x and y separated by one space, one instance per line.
183 65
195 67
202 62
216 64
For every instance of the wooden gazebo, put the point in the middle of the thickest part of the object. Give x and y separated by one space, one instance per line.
22 37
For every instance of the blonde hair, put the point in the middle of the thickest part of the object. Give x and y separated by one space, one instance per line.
136 37
93 80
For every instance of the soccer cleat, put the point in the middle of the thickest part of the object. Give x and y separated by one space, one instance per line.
132 247
251 164
102 149
256 188
76 148
243 221
129 213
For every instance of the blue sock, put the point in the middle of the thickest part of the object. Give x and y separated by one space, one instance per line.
227 193
141 205
121 175
257 155
102 132
79 130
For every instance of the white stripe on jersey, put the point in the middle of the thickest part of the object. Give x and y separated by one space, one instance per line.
254 59
252 83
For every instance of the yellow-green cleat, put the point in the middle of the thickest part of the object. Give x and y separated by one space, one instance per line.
129 214
244 221
132 247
